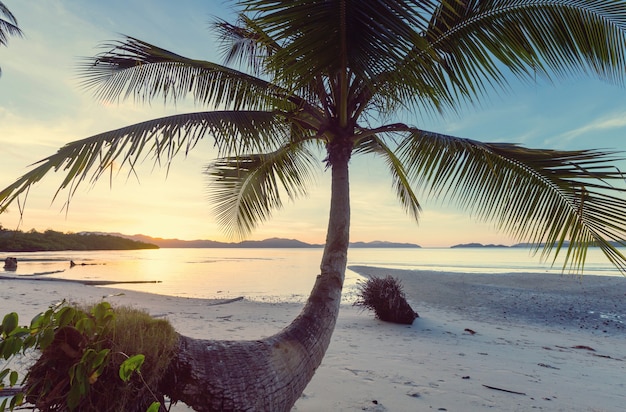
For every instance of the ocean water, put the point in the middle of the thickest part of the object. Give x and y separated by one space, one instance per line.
270 274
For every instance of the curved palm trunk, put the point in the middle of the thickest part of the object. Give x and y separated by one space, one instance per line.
270 374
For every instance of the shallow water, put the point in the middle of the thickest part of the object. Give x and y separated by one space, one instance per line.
269 274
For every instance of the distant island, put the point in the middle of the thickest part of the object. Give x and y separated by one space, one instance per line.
50 240
475 245
493 246
266 243
525 245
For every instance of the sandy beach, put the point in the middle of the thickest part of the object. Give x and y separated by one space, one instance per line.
515 342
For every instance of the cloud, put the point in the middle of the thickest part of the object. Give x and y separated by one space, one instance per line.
612 121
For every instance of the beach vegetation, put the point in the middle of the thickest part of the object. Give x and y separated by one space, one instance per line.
306 85
384 295
89 358
51 240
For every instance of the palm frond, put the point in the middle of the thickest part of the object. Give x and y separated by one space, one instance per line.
400 181
245 190
245 43
548 197
405 88
133 68
530 38
321 37
8 25
233 133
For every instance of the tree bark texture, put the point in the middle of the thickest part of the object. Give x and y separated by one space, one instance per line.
270 374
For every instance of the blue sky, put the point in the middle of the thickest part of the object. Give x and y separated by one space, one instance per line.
42 107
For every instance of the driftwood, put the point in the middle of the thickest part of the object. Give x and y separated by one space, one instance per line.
42 273
504 390
226 301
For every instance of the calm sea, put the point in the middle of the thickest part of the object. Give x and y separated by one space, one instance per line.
270 274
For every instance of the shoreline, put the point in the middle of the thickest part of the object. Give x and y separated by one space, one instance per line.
460 355
37 277
591 303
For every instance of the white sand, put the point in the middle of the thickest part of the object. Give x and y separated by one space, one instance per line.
567 360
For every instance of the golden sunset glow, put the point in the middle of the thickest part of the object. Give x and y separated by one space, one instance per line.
42 107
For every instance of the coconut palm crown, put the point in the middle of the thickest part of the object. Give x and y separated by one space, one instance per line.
317 73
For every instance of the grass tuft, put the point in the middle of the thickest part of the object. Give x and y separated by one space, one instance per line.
53 378
386 298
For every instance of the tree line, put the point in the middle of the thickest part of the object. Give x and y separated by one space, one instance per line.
50 240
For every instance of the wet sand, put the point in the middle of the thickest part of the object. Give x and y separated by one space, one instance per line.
482 342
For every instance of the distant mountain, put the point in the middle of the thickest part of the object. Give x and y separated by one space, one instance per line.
276 243
177 243
266 243
383 244
530 245
477 245
616 243
204 243
526 245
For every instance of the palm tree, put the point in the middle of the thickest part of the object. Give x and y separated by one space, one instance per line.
301 75
8 26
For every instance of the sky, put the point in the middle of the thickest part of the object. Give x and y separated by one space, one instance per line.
42 107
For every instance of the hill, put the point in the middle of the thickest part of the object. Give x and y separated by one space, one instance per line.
50 240
383 244
477 245
266 243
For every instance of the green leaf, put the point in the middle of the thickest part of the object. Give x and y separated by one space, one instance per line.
17 400
66 316
46 338
9 323
74 396
41 321
86 326
72 372
37 321
154 407
13 378
77 373
88 356
3 374
100 358
20 332
103 313
130 365
29 342
11 346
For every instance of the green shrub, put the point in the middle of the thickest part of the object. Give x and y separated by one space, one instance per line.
92 359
